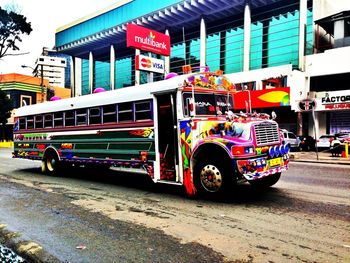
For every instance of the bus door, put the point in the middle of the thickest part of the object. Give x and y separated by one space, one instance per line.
167 135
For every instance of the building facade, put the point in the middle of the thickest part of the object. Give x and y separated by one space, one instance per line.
54 67
26 90
22 90
266 47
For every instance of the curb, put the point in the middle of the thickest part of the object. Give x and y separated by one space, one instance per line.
320 161
30 251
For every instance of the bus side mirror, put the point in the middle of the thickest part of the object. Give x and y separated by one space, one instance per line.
192 107
273 115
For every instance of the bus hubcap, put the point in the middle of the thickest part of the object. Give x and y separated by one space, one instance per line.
211 178
51 163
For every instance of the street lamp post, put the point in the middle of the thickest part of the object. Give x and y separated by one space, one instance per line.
249 99
41 79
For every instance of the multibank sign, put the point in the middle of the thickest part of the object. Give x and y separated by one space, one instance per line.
148 40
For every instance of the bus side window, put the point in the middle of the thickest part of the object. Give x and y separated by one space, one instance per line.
69 118
48 121
109 113
39 122
22 123
143 110
125 112
81 117
58 119
30 122
95 116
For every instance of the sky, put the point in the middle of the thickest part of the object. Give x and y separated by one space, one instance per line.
45 17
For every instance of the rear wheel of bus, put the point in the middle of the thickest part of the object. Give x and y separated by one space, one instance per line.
212 175
50 163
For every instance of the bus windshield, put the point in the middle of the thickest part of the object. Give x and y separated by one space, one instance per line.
208 103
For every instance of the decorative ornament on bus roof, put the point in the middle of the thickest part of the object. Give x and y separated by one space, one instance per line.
210 80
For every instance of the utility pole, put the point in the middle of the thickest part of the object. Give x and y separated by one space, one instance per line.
41 79
42 82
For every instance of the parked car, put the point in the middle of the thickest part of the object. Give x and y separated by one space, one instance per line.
324 142
307 143
291 139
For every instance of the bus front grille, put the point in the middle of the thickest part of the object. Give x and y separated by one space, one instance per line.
266 133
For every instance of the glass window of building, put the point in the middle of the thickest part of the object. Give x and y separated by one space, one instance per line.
177 57
123 72
309 33
101 74
213 51
85 76
256 45
283 39
234 50
193 54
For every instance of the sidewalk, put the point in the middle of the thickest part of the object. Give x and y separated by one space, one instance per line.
323 157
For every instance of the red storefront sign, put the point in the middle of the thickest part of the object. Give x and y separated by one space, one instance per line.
147 40
261 98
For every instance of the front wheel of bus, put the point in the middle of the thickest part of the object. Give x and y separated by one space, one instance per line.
212 176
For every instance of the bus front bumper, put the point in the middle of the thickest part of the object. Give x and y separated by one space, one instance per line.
259 167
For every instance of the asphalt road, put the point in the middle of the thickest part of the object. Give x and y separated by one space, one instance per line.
85 216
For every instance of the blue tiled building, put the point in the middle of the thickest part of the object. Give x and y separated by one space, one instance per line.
252 41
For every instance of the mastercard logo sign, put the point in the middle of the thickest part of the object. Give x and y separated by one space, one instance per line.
146 63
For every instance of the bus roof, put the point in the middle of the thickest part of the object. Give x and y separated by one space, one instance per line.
132 93
201 81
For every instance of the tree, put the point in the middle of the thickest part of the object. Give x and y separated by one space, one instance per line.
50 93
12 26
6 106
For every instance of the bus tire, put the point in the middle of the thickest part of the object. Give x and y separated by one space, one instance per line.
211 176
266 181
50 164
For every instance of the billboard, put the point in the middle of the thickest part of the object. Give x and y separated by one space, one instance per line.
275 97
148 40
333 100
149 64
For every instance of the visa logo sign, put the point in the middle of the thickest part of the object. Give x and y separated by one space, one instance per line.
149 64
158 66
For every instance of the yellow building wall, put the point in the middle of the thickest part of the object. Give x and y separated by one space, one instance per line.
63 93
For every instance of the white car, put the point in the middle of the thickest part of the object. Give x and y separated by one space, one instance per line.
325 141
291 139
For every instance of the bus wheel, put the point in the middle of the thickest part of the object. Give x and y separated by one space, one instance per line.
211 176
50 163
266 181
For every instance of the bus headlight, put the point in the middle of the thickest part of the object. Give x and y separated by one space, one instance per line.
286 149
272 151
282 149
277 151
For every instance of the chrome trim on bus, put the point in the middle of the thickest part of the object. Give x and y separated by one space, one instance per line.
129 170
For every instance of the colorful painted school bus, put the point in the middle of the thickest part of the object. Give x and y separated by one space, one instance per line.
177 131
